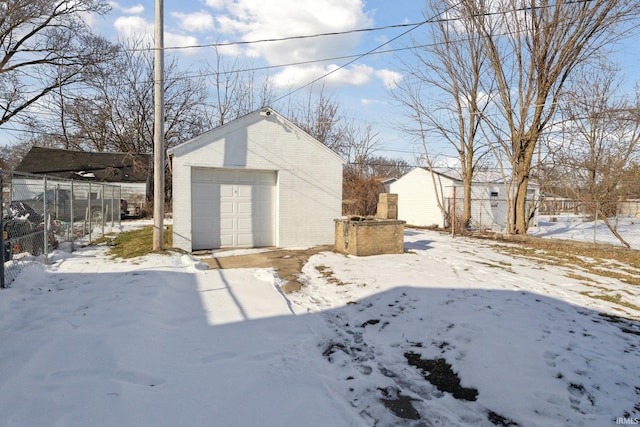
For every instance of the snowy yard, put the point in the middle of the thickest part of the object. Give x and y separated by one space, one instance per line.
453 332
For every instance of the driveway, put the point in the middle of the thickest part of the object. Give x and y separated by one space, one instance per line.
287 262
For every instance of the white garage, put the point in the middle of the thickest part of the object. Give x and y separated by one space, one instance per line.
256 181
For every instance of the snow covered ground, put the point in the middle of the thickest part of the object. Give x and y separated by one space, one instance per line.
574 228
453 332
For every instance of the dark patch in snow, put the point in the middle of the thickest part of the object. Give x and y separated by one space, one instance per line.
370 322
332 347
439 373
499 420
400 405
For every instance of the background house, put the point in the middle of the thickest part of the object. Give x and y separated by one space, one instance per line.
419 190
131 172
256 181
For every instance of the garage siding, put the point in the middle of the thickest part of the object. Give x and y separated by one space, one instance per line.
307 194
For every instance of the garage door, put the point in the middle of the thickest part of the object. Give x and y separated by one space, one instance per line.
232 208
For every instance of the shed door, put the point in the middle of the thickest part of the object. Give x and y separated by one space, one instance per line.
232 208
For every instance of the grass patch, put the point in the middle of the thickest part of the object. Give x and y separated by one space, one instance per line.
107 238
327 273
587 262
499 264
136 243
580 277
615 299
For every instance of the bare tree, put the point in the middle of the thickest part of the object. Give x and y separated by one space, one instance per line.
533 48
382 167
360 143
601 140
319 117
45 45
236 91
114 110
446 80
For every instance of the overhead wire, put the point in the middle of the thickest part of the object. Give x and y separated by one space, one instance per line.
352 58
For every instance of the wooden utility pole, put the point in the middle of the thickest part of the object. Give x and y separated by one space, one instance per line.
158 130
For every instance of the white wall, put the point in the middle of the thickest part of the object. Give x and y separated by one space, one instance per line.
309 187
417 197
417 200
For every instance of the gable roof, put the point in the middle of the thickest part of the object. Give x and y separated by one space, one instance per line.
264 113
479 177
86 166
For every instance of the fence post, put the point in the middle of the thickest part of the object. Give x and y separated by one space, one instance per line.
73 216
102 212
2 284
89 215
113 211
453 215
45 220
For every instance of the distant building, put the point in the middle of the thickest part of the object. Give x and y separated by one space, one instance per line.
419 191
132 172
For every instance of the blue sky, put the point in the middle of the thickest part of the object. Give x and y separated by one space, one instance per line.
360 88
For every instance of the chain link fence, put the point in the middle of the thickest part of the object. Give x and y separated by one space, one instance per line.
573 219
42 213
557 217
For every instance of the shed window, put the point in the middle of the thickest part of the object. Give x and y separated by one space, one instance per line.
494 199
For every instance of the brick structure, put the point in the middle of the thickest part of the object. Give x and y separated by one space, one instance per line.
369 236
387 206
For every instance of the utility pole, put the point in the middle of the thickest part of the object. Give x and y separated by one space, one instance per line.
158 130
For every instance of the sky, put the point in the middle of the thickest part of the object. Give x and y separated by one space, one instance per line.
163 341
361 88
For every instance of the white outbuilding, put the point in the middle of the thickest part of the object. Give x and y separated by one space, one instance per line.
256 181
423 195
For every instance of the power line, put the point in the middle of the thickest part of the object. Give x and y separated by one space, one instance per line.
358 30
288 38
415 26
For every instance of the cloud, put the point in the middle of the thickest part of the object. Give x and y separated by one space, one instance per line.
132 26
389 78
136 27
357 75
215 4
133 10
194 22
248 20
368 101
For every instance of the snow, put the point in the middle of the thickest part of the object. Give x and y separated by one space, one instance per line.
162 341
572 227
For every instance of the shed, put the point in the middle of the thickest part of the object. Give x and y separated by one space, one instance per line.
420 189
256 181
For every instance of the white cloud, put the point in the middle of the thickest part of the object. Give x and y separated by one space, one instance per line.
354 76
368 101
133 10
195 22
389 78
136 27
132 27
215 4
250 20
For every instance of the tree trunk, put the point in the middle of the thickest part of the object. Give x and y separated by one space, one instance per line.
523 168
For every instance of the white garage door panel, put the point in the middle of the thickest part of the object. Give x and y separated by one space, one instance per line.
232 208
244 208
